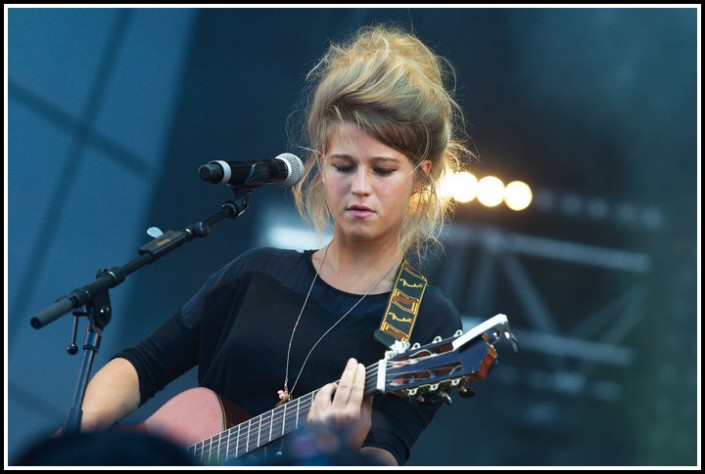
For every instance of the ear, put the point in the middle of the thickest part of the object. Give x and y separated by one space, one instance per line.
419 182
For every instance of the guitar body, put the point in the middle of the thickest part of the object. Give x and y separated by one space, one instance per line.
192 416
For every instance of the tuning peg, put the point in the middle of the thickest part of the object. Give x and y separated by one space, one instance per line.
446 397
466 392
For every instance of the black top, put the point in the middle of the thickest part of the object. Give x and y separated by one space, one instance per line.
237 329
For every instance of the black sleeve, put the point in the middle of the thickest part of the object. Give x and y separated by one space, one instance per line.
166 354
398 423
179 343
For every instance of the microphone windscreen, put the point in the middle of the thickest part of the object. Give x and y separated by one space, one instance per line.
296 168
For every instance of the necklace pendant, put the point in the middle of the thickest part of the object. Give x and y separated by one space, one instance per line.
283 395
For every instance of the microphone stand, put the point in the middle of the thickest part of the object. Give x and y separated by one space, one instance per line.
96 298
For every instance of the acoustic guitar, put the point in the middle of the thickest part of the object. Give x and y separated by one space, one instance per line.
216 432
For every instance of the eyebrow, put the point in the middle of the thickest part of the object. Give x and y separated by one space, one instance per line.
374 158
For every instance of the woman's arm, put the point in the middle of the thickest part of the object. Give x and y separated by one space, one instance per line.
382 456
111 395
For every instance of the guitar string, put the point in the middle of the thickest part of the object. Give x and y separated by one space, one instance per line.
303 403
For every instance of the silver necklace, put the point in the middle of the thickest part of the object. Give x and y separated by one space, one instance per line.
285 395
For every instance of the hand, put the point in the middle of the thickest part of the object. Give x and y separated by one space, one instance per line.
342 409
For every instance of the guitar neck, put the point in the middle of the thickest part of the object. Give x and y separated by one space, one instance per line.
262 429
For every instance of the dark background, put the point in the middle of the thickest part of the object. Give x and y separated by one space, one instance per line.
595 108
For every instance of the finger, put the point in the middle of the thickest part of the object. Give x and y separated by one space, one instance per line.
358 387
321 402
342 394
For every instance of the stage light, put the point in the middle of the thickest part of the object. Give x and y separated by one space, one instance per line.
490 191
462 186
517 195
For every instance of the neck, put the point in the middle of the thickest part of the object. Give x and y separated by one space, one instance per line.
358 268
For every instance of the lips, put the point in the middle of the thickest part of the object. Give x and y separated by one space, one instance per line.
360 211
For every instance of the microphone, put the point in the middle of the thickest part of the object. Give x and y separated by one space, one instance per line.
286 169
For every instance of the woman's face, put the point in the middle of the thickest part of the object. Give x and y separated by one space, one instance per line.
368 185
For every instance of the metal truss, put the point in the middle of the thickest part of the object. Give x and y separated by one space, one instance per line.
567 355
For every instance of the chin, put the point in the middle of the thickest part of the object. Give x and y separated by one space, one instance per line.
359 235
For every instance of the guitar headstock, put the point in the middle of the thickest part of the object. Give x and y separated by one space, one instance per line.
446 363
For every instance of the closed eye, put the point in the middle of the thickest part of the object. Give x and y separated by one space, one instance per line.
379 171
384 171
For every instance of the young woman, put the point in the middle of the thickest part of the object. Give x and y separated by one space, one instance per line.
382 130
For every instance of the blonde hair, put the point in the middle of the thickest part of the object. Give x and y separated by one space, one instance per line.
393 86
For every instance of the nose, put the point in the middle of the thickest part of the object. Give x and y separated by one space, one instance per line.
361 182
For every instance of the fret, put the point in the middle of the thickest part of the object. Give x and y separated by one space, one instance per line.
206 451
247 435
284 420
237 442
271 425
259 431
198 451
212 450
227 446
296 427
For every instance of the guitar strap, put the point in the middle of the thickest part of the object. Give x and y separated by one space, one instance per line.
403 306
